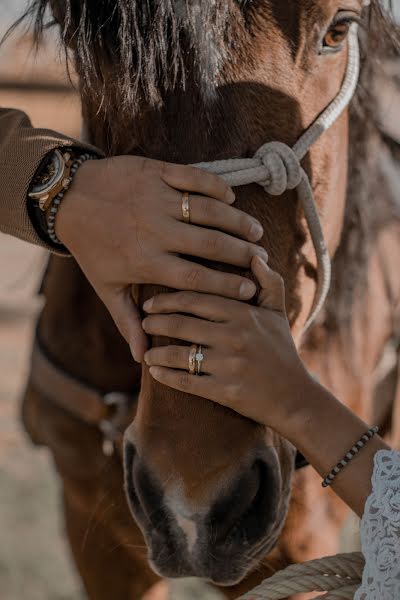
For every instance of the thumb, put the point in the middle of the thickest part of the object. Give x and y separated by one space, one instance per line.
272 294
128 320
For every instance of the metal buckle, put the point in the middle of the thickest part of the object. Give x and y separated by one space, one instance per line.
112 428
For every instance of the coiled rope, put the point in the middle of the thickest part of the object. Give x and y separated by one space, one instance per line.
338 575
277 168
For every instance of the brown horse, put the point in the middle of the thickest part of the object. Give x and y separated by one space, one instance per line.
185 82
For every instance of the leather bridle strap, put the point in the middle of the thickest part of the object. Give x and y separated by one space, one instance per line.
110 412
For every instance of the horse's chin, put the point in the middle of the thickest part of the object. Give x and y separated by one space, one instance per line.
222 570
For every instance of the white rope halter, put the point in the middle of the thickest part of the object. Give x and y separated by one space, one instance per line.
277 168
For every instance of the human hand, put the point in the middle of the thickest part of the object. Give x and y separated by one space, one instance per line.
251 364
122 221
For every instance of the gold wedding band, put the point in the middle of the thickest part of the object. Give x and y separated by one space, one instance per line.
186 207
192 359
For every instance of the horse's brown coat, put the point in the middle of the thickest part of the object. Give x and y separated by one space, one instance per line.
273 91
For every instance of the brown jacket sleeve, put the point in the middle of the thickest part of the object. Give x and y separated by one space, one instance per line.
22 149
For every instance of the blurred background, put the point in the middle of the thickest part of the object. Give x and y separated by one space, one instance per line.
34 563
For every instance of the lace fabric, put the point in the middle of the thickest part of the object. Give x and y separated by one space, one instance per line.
380 531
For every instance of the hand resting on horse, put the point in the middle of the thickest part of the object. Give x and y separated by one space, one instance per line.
251 365
122 221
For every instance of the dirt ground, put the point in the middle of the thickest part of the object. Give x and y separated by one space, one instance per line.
34 563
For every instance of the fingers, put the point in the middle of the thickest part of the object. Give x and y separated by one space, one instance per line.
127 318
205 387
272 294
212 213
188 329
185 275
190 179
177 357
205 306
216 246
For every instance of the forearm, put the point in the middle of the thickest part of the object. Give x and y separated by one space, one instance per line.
324 432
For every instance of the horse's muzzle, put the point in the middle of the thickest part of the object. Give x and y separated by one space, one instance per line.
221 540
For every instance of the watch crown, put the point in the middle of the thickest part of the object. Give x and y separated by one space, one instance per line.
42 202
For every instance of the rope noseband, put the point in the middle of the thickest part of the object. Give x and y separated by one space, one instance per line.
277 168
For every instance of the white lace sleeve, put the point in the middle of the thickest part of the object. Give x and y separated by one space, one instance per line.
380 531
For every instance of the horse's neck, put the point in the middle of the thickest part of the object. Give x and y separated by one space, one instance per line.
78 332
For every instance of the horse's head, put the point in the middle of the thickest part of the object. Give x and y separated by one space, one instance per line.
210 489
189 81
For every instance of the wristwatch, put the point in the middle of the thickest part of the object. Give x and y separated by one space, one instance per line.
52 177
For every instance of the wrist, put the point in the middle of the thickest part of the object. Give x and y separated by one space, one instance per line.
314 407
71 206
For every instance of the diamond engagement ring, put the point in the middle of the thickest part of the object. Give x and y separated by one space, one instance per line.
199 357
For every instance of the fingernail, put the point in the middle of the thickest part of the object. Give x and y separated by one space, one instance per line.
247 290
256 231
146 358
263 254
148 304
231 196
153 371
144 323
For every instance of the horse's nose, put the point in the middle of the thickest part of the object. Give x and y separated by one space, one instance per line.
186 539
246 510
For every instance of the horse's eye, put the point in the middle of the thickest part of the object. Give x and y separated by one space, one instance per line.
336 36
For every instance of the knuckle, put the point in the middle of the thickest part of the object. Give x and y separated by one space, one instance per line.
185 300
192 278
239 343
213 244
236 364
206 207
194 175
174 356
174 325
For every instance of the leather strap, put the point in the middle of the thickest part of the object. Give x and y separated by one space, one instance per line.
110 412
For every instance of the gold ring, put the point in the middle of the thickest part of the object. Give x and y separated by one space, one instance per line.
192 359
199 357
186 207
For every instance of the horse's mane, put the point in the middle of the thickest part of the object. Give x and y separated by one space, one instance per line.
134 42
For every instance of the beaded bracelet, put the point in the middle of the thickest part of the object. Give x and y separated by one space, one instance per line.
349 456
51 221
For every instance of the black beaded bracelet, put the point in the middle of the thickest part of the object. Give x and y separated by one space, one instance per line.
350 455
51 221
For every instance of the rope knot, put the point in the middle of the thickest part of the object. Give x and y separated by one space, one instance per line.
283 169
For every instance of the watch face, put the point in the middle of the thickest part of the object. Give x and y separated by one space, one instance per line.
49 175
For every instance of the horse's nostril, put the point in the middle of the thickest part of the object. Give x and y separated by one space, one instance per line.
246 511
144 495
